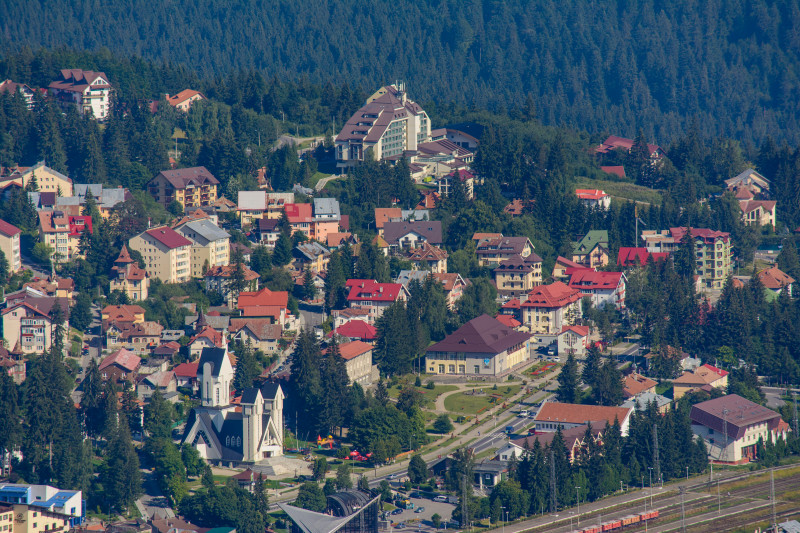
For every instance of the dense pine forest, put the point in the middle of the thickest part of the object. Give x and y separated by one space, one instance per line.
613 66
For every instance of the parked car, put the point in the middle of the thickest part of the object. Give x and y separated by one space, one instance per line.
420 510
397 511
440 499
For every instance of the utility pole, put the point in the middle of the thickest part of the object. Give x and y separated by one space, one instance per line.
683 511
725 429
578 497
655 453
772 497
794 399
553 495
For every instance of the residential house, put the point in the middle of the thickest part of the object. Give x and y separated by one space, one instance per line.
553 415
705 378
518 275
615 170
57 287
258 205
140 337
374 297
267 231
713 251
210 245
428 257
563 268
386 214
106 200
120 366
14 363
300 218
574 439
262 333
340 238
133 314
164 381
190 187
212 318
454 286
634 385
732 427
603 288
749 180
484 346
311 255
87 91
466 177
342 316
493 250
265 303
405 235
574 340
548 308
207 337
63 233
9 245
489 473
128 278
183 100
388 125
357 357
326 218
168 349
41 508
25 92
592 249
630 257
612 143
776 281
594 198
756 212
167 254
47 180
218 279
29 321
186 375
430 200
516 207
508 320
643 400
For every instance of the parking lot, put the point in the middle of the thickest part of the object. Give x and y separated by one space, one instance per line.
422 521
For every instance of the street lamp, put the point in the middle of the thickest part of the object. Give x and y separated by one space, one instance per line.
501 518
650 486
578 497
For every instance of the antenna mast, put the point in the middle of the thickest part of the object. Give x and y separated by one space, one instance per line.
656 461
553 495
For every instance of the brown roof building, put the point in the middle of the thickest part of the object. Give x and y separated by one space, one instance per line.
776 280
191 187
120 365
429 257
553 415
636 384
705 378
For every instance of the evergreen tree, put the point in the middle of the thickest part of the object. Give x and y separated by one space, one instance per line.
247 367
121 478
567 391
607 388
335 396
306 381
283 251
4 268
417 470
591 367
10 428
309 288
158 416
91 400
344 480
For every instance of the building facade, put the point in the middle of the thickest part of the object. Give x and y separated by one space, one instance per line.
210 245
9 245
166 254
128 278
191 187
87 91
548 308
518 275
713 251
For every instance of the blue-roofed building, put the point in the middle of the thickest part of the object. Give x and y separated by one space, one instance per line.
45 508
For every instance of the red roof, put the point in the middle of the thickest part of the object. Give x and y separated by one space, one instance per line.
263 297
628 256
9 230
369 290
721 373
211 334
587 279
590 194
508 320
357 329
186 370
616 170
555 295
774 278
169 237
122 358
352 349
583 331
297 213
563 261
708 236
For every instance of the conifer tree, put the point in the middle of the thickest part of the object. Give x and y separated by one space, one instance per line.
10 428
121 478
336 397
567 391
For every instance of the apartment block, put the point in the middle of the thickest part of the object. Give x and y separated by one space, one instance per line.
191 187
9 244
87 91
166 254
63 233
210 245
713 251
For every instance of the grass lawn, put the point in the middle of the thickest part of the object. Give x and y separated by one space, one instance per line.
661 388
429 395
464 403
620 189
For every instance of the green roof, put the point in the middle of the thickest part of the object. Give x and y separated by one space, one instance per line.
590 240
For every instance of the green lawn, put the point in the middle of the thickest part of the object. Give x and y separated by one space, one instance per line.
316 177
620 189
661 388
429 395
466 403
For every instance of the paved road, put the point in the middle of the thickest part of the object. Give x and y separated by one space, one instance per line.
310 315
324 181
773 394
153 504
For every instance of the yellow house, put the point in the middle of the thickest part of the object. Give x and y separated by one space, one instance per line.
166 254
518 275
548 308
429 257
592 250
10 245
706 377
191 187
484 346
128 278
47 179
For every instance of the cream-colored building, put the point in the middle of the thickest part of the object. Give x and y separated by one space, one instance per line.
39 508
29 321
62 233
47 179
210 245
87 91
166 254
128 278
713 251
706 377
190 187
518 275
9 245
183 100
548 308
357 357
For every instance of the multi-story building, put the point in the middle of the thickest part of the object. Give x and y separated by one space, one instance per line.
218 279
705 377
732 426
326 218
374 297
713 251
603 288
128 278
554 415
592 250
210 245
357 357
756 212
483 346
300 218
42 508
573 339
47 179
62 233
191 187
29 321
24 91
594 198
406 235
166 254
429 257
389 124
257 205
548 308
87 91
492 249
9 245
518 275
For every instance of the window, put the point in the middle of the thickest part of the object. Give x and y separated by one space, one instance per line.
441 369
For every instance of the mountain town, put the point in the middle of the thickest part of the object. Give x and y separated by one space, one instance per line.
219 319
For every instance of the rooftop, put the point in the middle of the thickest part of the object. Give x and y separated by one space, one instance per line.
483 334
571 413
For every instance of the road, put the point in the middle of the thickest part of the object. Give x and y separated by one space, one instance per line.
310 315
152 504
774 396
324 181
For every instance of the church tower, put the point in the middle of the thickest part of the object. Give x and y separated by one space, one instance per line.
215 374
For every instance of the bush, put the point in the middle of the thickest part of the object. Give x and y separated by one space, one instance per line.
430 385
442 424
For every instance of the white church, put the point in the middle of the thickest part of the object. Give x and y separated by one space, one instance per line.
227 434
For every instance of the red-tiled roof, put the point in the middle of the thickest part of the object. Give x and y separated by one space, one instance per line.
9 230
262 328
483 334
369 290
586 279
211 334
628 256
122 358
169 237
122 313
583 331
570 413
774 278
298 213
508 320
555 295
357 329
563 261
263 297
708 236
590 194
352 349
616 170
225 271
182 96
386 214
634 384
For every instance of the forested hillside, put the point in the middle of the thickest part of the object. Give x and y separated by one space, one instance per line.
613 66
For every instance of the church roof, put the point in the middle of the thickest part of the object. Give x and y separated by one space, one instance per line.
215 356
313 522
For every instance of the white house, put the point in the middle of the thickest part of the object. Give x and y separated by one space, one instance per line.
88 91
574 339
